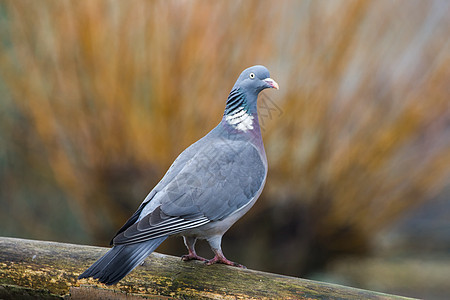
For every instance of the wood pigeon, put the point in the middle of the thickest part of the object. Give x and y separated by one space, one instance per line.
211 184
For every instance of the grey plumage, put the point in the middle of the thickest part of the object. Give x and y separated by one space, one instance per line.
208 187
120 260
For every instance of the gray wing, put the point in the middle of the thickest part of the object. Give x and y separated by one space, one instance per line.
173 171
220 179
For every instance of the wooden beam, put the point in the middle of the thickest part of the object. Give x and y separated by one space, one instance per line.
49 270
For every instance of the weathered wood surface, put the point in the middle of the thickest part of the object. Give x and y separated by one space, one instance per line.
49 270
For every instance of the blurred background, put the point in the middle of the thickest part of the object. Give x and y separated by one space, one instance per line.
97 98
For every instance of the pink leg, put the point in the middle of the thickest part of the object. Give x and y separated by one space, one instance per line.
190 244
221 259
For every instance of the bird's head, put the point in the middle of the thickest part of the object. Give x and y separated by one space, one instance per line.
241 106
255 79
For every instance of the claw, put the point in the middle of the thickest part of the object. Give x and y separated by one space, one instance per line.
222 260
192 256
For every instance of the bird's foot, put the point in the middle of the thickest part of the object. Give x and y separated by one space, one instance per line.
192 256
222 260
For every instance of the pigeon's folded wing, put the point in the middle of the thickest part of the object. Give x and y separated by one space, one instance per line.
222 178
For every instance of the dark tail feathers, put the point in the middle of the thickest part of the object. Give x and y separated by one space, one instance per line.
120 260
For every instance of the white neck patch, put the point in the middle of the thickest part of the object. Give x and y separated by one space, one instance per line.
240 120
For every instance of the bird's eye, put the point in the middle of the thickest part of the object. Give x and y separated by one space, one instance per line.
252 75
